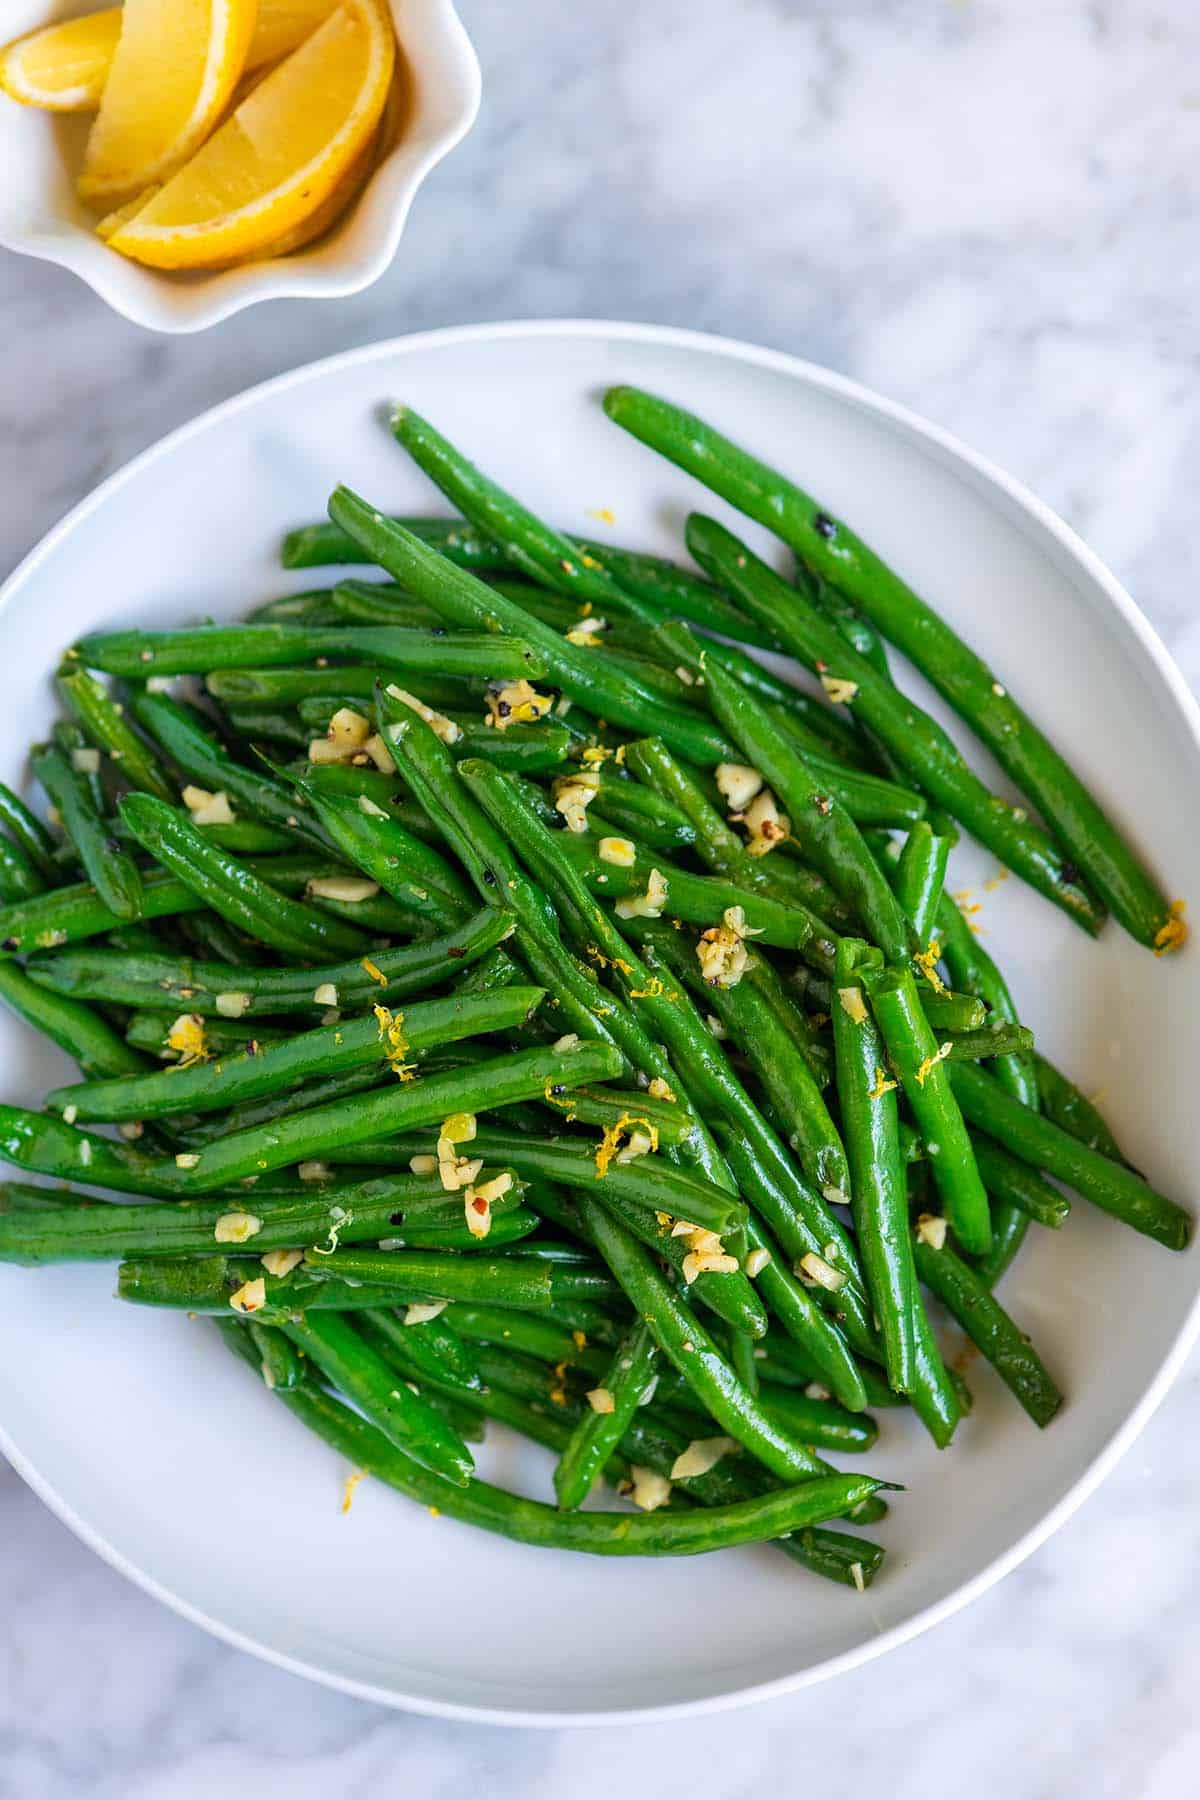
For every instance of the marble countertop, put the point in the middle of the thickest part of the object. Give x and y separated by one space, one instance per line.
988 209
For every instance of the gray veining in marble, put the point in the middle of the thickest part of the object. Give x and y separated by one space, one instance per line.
989 209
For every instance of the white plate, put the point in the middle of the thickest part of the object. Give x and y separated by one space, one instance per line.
158 1450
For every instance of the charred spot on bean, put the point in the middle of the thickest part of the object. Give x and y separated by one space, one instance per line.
112 844
489 878
824 526
1070 873
456 951
396 1218
11 943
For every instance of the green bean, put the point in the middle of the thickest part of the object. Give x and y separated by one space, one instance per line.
373 840
203 648
628 1383
661 1533
730 1294
489 860
613 1109
993 1041
823 829
312 607
493 1281
646 1181
973 970
920 876
267 1068
1041 1144
876 1182
208 1284
78 1029
914 1053
313 546
782 1072
104 723
820 1423
530 1332
87 1232
701 899
19 876
1009 1229
155 980
961 676
800 1317
406 1419
325 1130
27 832
1065 1106
178 729
581 674
917 741
990 1329
112 872
226 884
1011 1183
539 552
433 1344
689 1349
69 914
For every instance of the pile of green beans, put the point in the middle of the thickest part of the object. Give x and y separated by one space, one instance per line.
519 1007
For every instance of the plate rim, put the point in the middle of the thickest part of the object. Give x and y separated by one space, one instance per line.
1120 1440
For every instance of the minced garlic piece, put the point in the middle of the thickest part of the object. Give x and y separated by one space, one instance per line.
610 1143
250 1297
419 1312
573 794
766 826
738 783
70 1114
756 1262
348 729
600 1400
931 1062
640 1144
351 890
852 1004
477 1204
325 995
186 1038
206 808
707 1262
236 1228
649 905
619 851
701 1455
423 1165
232 1006
882 1085
281 1262
380 755
569 1041
931 1230
457 1171
516 703
367 805
838 689
814 1271
438 723
649 1491
715 1025
85 761
721 953
314 1171
660 1090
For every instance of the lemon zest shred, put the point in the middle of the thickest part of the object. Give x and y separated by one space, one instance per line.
926 961
610 1143
1174 934
882 1085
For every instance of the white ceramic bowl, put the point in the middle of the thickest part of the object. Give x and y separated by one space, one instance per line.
40 215
163 1454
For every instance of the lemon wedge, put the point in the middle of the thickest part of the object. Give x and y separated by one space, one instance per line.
279 156
64 67
175 66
